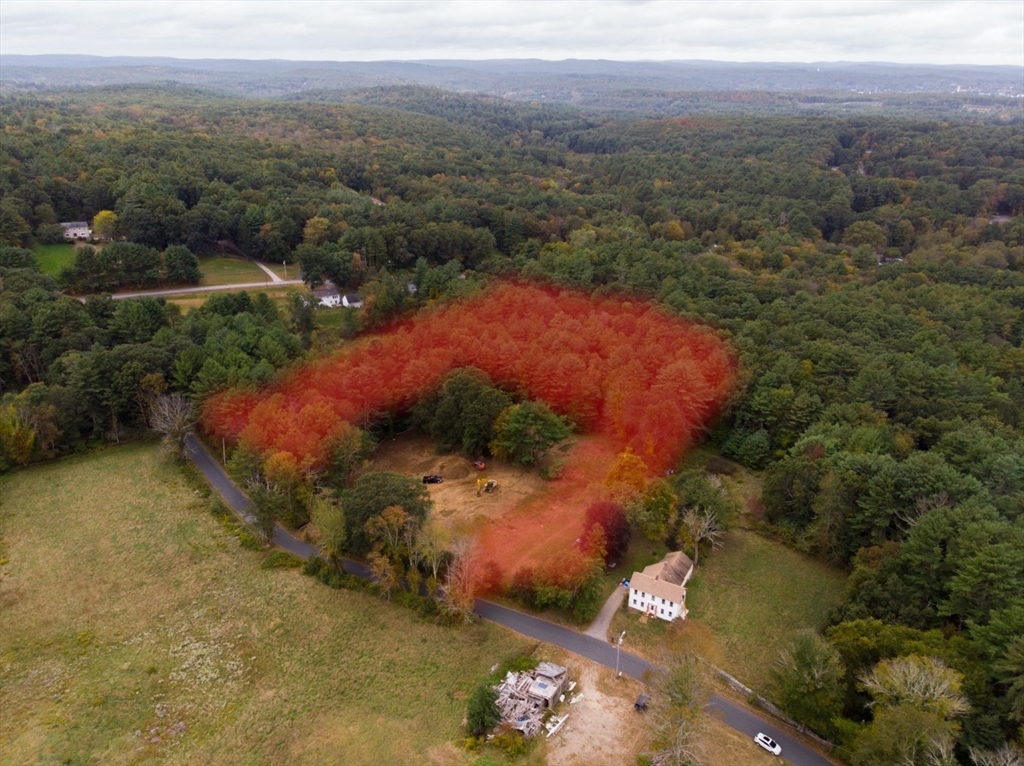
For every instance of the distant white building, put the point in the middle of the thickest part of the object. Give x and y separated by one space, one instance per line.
351 301
660 590
327 295
76 229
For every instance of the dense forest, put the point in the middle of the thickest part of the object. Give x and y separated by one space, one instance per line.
868 272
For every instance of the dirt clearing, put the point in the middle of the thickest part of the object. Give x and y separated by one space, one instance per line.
526 519
603 727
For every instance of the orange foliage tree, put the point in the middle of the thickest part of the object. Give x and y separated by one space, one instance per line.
624 369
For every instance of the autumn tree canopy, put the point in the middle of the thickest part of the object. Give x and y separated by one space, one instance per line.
625 369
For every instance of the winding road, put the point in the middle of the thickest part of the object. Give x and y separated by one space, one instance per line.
736 716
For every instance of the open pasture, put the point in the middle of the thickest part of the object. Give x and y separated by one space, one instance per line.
134 630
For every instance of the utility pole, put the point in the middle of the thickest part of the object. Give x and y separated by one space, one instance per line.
618 649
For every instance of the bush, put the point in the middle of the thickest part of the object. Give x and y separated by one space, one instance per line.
281 560
510 742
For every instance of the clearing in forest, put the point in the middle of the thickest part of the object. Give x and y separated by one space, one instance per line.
629 374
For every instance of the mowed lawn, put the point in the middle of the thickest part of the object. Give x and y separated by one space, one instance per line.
754 595
219 270
747 601
53 258
135 630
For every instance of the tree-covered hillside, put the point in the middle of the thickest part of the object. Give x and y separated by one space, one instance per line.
868 271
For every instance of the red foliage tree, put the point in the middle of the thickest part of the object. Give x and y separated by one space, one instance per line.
612 520
624 369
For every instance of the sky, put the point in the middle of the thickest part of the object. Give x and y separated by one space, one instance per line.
902 31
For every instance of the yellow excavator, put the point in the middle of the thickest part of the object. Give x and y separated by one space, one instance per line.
483 484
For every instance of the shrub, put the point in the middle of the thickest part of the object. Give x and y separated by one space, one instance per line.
510 742
281 560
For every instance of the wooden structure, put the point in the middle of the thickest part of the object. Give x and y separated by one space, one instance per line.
524 698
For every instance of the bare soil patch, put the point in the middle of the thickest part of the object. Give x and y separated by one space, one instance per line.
527 519
456 499
603 727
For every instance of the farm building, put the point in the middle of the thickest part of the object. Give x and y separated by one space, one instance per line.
76 229
351 301
660 590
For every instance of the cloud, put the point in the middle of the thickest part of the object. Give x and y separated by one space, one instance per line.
983 32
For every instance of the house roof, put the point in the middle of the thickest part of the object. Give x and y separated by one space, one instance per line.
75 224
676 568
352 298
666 579
657 588
327 291
550 669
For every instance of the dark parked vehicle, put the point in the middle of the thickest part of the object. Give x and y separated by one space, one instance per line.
432 478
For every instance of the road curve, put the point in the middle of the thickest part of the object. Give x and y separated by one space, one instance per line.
735 716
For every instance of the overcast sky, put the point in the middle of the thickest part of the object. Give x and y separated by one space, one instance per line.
906 31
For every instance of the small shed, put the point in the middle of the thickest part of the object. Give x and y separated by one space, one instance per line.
549 682
351 301
642 702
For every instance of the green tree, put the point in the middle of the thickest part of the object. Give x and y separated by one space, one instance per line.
482 712
328 517
865 233
652 510
807 681
524 432
182 267
463 411
371 493
907 736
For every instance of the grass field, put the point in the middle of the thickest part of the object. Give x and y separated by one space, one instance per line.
278 295
219 270
135 630
53 258
746 602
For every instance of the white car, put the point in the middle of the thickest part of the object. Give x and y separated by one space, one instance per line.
768 744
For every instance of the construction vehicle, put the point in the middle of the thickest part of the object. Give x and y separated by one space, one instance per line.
484 484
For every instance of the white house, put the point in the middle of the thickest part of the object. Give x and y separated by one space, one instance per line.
660 590
327 295
351 301
76 229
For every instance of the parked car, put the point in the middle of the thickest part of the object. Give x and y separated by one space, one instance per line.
432 478
768 744
479 465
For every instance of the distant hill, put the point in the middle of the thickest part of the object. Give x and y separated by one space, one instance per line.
569 81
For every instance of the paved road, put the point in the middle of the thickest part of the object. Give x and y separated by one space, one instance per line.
210 289
736 716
